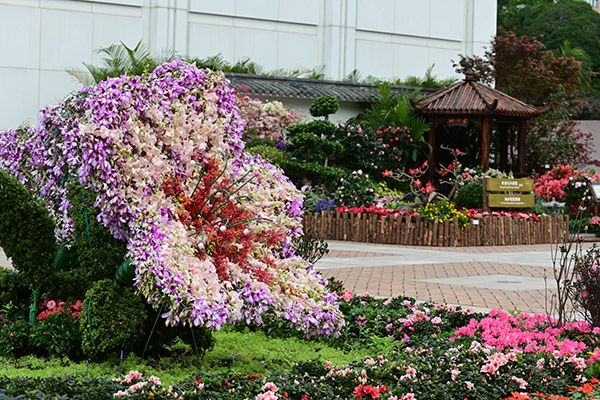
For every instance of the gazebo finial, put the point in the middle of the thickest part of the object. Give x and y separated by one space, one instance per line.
470 75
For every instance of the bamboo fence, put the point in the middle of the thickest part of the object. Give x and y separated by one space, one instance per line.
417 231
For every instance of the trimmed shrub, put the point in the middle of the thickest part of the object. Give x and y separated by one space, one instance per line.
112 319
95 254
469 196
323 106
26 233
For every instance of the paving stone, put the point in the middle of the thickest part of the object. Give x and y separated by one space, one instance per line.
484 278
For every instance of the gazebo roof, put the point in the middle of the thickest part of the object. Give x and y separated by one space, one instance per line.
472 97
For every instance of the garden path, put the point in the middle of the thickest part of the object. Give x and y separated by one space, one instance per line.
483 278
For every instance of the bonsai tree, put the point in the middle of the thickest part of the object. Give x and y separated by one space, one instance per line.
313 146
323 106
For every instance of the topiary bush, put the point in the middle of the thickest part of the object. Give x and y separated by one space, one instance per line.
13 288
94 254
314 152
112 319
26 233
323 106
469 196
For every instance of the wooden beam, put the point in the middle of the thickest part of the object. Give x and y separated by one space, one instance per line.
503 128
485 143
430 175
521 147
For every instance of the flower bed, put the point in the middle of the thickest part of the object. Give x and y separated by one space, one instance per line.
418 351
376 225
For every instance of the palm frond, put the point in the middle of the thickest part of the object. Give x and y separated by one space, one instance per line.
83 77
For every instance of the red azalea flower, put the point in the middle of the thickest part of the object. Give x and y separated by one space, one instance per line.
358 391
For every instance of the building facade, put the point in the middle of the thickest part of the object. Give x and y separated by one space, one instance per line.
40 39
595 5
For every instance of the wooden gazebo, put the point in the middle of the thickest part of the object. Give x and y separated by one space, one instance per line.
472 101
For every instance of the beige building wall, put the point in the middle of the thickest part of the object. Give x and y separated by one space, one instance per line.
594 128
383 38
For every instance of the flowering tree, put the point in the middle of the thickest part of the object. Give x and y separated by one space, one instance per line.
264 120
208 227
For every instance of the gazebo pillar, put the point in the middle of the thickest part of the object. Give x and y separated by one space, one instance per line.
503 128
485 143
469 100
521 146
431 140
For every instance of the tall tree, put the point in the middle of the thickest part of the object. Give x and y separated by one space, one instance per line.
523 68
553 22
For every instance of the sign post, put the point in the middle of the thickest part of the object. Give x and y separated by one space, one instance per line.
518 193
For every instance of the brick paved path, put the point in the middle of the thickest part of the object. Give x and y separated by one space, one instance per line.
506 277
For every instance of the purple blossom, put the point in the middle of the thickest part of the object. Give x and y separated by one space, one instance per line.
80 139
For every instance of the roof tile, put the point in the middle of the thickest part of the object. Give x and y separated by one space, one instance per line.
472 97
260 85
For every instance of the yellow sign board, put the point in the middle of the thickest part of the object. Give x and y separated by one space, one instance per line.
512 200
509 185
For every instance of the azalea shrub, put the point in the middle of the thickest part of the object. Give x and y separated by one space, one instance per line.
586 284
419 351
588 391
567 184
552 184
434 351
264 122
207 228
54 333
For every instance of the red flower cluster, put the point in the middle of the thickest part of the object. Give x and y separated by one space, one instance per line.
478 213
376 210
419 170
392 138
589 390
50 307
552 184
373 391
212 212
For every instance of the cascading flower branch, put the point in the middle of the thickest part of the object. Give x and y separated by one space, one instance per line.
208 227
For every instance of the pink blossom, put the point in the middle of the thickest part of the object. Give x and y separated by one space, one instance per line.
270 386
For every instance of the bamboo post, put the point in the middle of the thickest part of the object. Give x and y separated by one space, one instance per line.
406 230
455 232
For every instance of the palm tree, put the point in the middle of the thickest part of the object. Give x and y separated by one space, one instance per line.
118 59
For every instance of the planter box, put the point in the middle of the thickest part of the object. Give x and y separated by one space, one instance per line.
416 231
